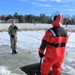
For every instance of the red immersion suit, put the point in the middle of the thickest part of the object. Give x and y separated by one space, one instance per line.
53 44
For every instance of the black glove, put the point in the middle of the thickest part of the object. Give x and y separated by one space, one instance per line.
41 55
12 36
15 27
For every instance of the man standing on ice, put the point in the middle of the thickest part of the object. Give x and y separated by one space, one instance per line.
12 30
53 47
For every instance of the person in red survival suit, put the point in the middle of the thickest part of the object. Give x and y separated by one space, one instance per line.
53 47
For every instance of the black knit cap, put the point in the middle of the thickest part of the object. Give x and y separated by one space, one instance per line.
55 17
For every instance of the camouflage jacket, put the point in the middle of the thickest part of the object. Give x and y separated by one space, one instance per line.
12 30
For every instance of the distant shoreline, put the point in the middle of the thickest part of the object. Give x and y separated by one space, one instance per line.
33 27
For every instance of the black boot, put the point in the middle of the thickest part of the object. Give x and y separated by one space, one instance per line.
14 52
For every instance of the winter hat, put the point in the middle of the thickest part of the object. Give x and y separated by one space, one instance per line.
58 20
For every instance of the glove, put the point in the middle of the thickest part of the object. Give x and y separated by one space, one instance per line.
15 27
12 36
41 55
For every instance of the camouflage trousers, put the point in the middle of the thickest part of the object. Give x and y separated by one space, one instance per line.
13 42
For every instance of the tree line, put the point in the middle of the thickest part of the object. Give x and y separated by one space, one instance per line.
42 18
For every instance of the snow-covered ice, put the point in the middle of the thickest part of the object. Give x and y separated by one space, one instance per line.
30 40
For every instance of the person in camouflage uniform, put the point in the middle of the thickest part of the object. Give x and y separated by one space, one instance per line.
12 30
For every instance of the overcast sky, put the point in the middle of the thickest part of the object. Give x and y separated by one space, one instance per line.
37 7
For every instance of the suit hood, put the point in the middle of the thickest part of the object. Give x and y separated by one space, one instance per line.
58 21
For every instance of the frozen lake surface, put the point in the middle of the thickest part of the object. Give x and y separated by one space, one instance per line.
27 47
